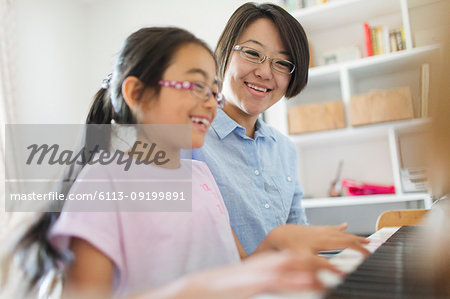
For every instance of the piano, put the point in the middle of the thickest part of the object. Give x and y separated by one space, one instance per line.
391 271
388 272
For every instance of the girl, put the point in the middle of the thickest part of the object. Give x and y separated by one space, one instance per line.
162 76
262 55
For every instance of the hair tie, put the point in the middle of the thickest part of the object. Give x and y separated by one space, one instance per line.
106 81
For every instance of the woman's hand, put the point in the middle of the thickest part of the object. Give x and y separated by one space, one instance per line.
312 239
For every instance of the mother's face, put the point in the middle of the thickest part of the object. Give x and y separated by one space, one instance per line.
252 87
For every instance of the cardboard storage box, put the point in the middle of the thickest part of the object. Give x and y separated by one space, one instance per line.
316 117
381 106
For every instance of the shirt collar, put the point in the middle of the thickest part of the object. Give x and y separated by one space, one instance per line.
223 125
263 130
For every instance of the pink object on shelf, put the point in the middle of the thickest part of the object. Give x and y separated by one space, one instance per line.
360 188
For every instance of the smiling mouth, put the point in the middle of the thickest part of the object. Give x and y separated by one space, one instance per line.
257 88
200 121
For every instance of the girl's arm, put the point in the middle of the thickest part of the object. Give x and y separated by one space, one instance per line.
91 275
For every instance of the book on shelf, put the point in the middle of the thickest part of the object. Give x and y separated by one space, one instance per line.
402 34
393 41
399 38
382 40
368 40
374 39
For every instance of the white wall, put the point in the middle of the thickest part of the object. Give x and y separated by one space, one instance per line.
66 47
51 66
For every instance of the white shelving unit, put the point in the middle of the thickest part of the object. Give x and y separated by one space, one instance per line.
369 153
362 200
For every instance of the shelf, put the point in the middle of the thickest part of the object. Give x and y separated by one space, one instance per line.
351 133
393 60
416 3
325 70
325 16
363 65
362 200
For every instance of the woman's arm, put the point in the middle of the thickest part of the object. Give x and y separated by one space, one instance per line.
311 239
301 238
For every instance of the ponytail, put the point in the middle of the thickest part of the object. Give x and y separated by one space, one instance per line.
97 135
101 111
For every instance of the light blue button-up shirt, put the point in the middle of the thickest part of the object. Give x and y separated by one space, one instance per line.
257 177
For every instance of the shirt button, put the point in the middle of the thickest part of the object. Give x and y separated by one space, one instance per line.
266 206
289 179
256 172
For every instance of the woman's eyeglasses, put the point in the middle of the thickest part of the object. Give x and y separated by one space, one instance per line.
199 89
252 55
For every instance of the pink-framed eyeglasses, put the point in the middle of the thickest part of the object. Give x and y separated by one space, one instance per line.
200 89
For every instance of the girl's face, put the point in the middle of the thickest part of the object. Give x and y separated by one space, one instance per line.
250 87
191 63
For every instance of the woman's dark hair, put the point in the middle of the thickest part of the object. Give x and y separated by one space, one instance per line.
146 54
291 32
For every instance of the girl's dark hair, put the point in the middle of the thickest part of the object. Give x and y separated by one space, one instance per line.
291 32
146 54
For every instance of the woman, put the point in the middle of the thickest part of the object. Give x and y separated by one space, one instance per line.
263 56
